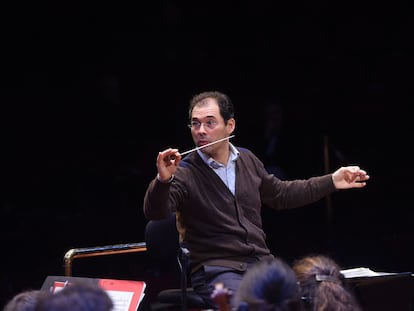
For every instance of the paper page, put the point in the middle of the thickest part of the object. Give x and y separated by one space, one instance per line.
362 272
121 299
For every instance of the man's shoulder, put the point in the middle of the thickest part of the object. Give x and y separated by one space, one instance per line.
243 150
246 154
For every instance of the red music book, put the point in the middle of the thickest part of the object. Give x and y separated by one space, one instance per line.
126 295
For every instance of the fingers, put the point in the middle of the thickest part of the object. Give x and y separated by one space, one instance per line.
350 177
359 184
354 173
169 157
357 178
166 165
219 286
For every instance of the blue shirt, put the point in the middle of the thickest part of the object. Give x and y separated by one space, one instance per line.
227 172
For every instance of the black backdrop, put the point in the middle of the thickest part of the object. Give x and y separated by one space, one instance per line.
91 93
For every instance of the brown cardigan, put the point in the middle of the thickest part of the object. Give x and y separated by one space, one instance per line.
217 227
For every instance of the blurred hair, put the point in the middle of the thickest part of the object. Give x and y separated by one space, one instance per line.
323 286
270 284
77 296
25 301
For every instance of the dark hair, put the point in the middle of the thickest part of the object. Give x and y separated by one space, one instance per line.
225 105
25 301
77 296
323 286
269 284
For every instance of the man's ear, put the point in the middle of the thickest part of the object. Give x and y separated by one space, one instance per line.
231 125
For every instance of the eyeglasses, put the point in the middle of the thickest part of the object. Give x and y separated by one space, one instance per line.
197 124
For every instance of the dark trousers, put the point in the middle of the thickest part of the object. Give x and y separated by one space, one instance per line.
204 280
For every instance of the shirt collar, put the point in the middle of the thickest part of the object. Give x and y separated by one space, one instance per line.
234 154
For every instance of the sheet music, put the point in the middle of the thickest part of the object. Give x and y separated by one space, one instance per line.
121 299
126 295
362 272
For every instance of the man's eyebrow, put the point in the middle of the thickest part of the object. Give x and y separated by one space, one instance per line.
206 117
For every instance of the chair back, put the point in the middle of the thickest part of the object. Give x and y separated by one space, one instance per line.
162 241
161 238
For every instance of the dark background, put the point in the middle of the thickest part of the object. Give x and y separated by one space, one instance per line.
91 93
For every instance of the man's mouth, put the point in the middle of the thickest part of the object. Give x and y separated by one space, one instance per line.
202 143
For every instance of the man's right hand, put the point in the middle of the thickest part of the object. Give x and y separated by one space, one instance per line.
167 163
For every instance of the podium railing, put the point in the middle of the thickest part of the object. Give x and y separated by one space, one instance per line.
83 252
